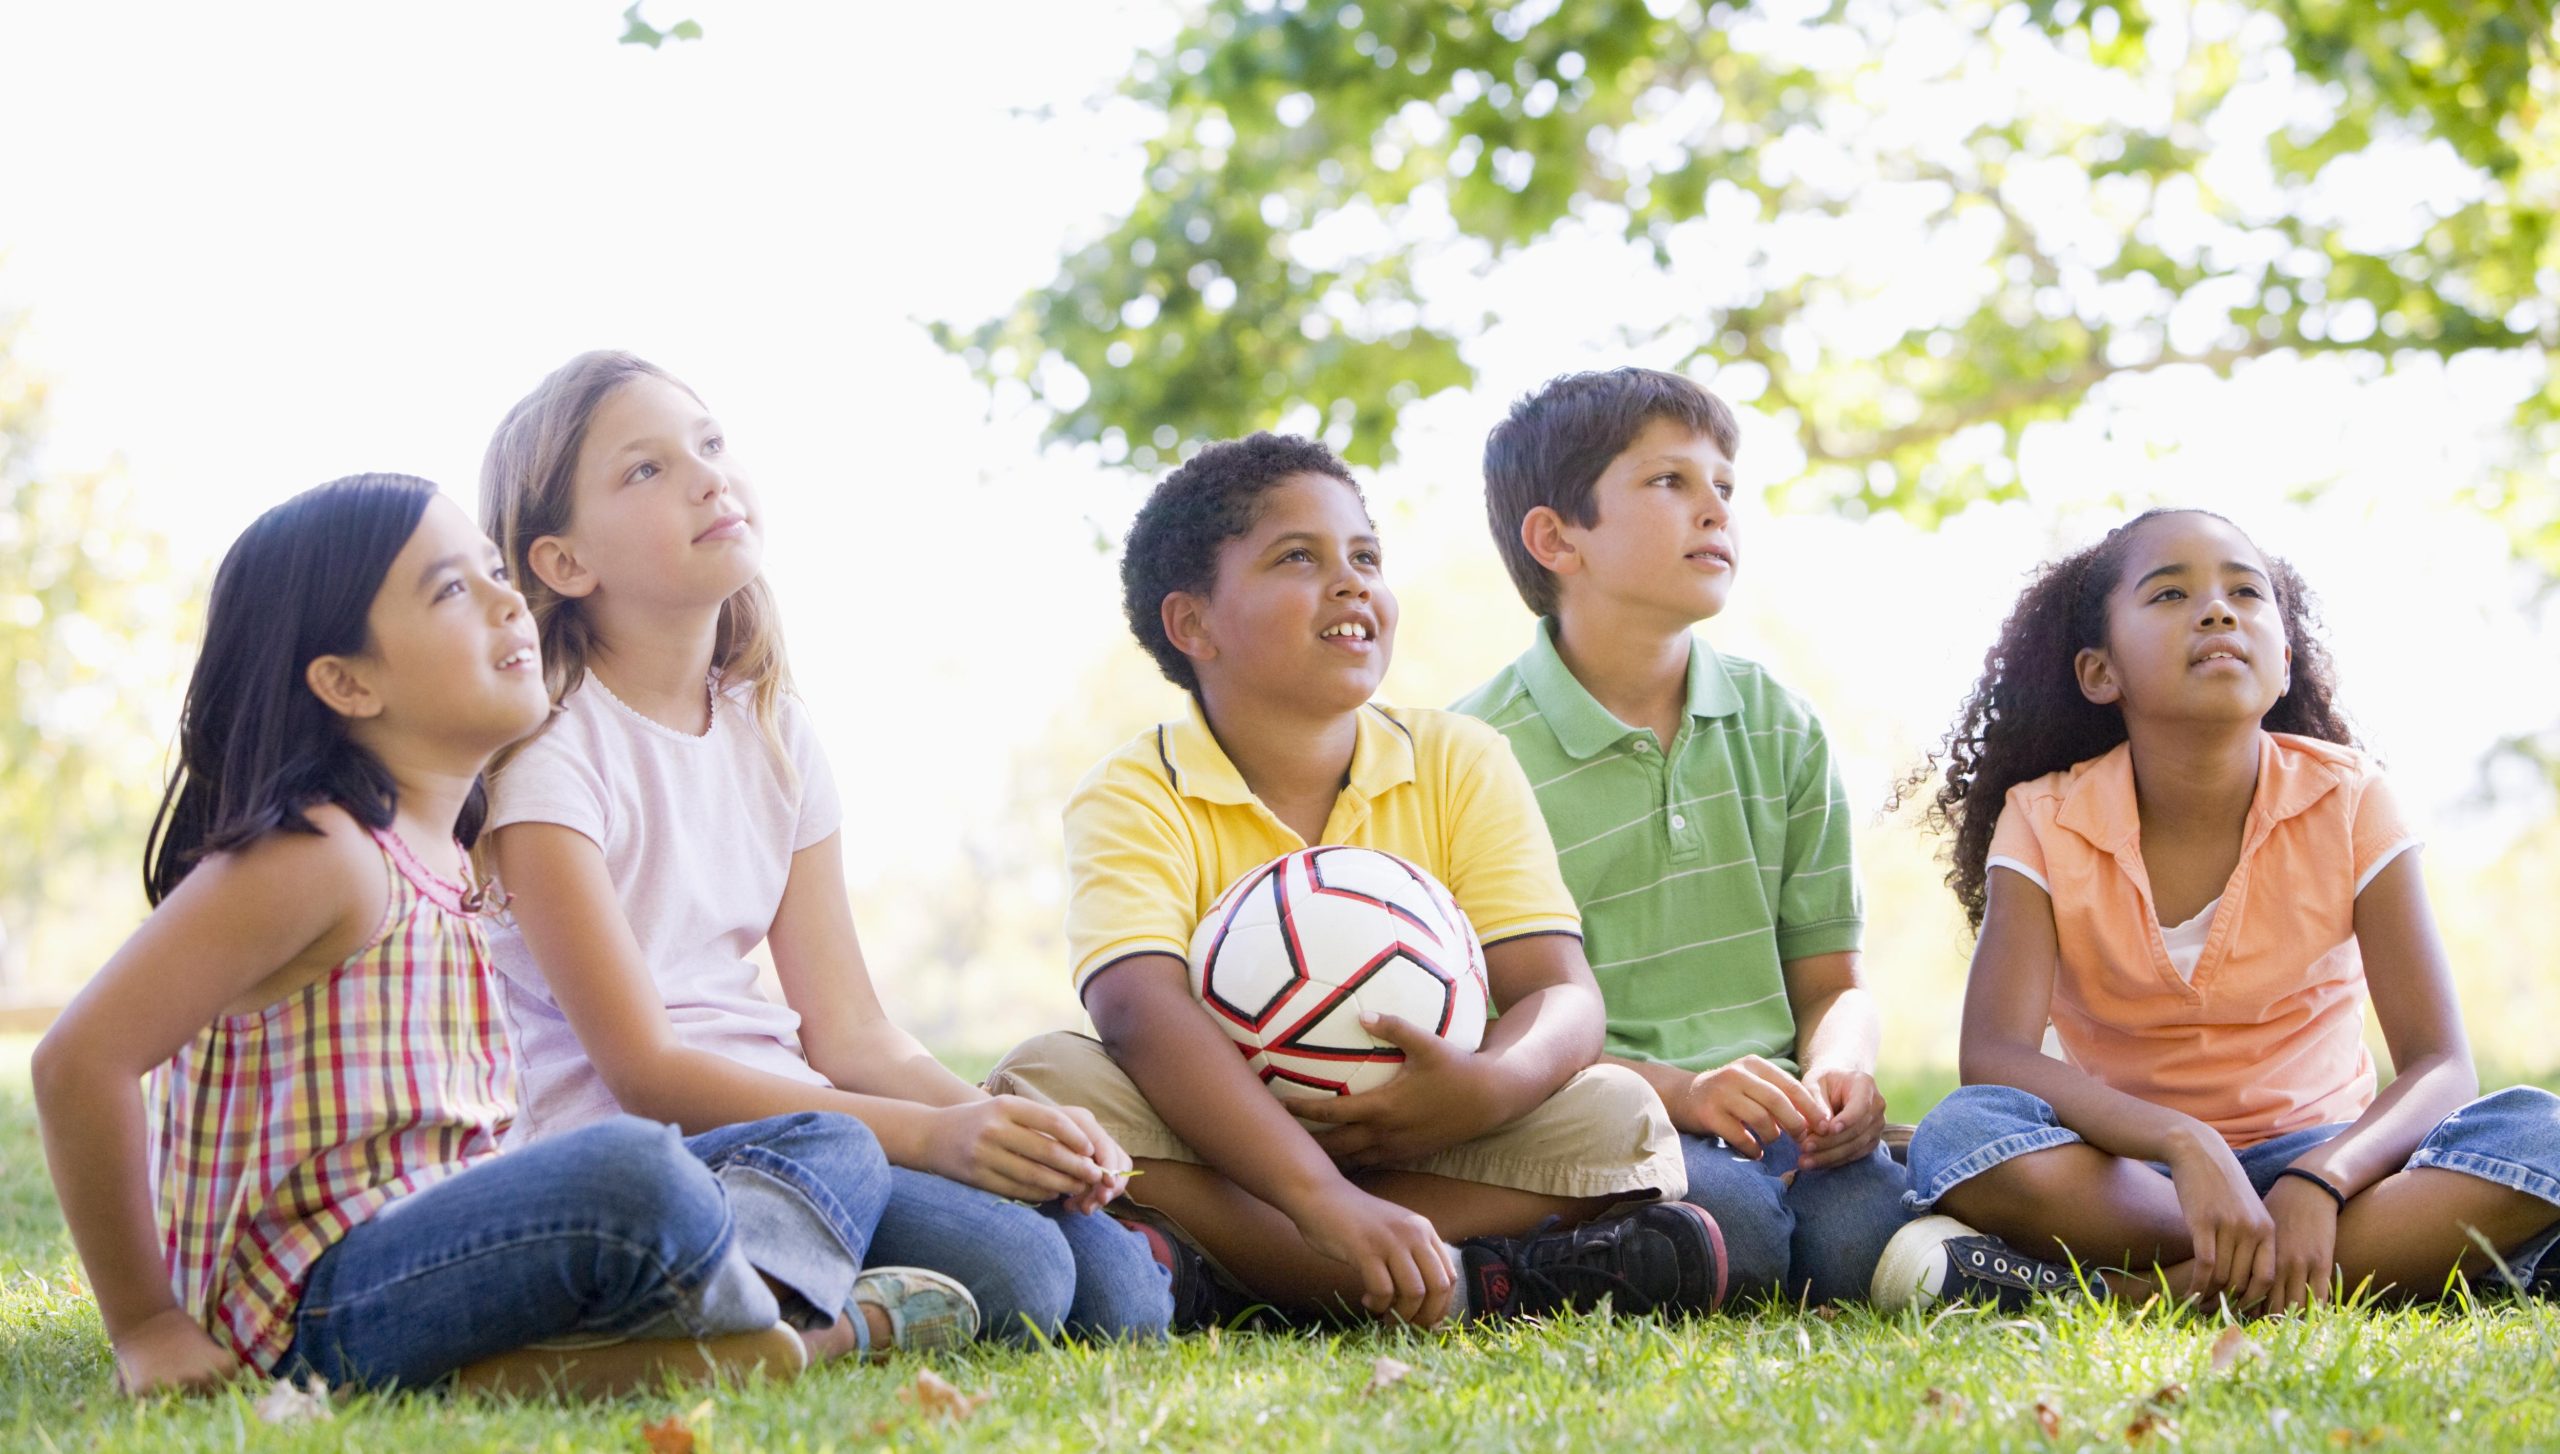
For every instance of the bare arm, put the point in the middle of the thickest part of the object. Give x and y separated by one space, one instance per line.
573 922
1190 1073
848 1036
2008 1000
242 930
1837 1026
1837 1031
564 903
2412 989
1005 1144
1552 1023
1832 1109
1551 1027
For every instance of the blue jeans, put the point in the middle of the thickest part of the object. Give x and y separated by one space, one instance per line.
2511 1137
621 1228
1035 1271
1817 1239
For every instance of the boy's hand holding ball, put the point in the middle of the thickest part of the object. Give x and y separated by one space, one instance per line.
1445 1095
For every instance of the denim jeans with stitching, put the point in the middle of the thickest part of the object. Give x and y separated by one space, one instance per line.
1036 1272
622 1228
1815 1239
2510 1137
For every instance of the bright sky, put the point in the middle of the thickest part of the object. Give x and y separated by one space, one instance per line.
267 246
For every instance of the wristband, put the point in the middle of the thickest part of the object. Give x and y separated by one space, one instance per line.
2316 1179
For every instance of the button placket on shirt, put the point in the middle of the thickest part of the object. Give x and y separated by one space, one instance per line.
1679 826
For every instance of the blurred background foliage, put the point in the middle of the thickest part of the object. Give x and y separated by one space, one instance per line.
2100 188
95 626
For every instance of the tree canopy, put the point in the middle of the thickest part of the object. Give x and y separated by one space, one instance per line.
1915 230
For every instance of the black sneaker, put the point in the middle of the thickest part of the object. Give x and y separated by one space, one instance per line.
1939 1259
1663 1257
1201 1298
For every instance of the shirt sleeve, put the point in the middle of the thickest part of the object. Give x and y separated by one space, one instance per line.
821 810
1133 878
2014 844
553 780
1501 862
1819 908
2379 833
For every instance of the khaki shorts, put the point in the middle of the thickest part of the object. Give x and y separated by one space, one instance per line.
1603 1134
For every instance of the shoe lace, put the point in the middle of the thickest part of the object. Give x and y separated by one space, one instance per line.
1579 1267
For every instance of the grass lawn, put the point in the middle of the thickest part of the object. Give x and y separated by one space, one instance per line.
2066 1378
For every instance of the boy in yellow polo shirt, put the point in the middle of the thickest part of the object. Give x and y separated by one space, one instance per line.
1253 577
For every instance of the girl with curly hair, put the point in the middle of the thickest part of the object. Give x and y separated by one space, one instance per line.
2174 853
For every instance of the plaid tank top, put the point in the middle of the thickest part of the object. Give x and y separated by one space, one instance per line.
275 1133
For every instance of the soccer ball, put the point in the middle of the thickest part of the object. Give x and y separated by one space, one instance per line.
1294 953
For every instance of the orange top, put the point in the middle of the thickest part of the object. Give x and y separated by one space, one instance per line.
2269 1036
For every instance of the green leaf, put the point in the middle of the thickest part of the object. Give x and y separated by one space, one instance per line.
1680 123
637 31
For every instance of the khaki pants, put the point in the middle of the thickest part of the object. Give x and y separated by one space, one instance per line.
1604 1133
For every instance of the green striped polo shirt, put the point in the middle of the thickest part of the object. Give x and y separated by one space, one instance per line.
1700 871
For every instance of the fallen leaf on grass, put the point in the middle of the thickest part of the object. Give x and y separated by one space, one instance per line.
1385 1374
935 1396
288 1403
670 1435
2150 1423
2048 1418
2167 1395
1937 1406
1827 1312
2235 1347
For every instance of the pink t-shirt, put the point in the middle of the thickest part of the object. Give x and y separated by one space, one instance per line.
698 834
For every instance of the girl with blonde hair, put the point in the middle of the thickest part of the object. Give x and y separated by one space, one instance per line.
677 812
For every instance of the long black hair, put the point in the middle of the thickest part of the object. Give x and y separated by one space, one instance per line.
2026 717
256 748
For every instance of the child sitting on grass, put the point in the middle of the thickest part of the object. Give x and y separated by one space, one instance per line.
1255 579
678 811
1698 820
2174 852
313 1183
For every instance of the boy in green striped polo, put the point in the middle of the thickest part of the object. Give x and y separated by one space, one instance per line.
1699 822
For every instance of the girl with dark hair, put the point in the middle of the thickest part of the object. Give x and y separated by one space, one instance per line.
313 1184
2174 853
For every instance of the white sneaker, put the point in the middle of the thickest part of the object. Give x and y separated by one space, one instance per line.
1939 1259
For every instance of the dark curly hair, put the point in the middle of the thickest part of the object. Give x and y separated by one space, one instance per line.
2026 717
1215 497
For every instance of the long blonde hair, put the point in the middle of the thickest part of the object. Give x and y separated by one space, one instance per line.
526 493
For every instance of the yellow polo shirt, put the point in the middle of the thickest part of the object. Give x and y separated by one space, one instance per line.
1160 828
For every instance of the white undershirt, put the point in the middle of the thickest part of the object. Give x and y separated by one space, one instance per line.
2185 942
